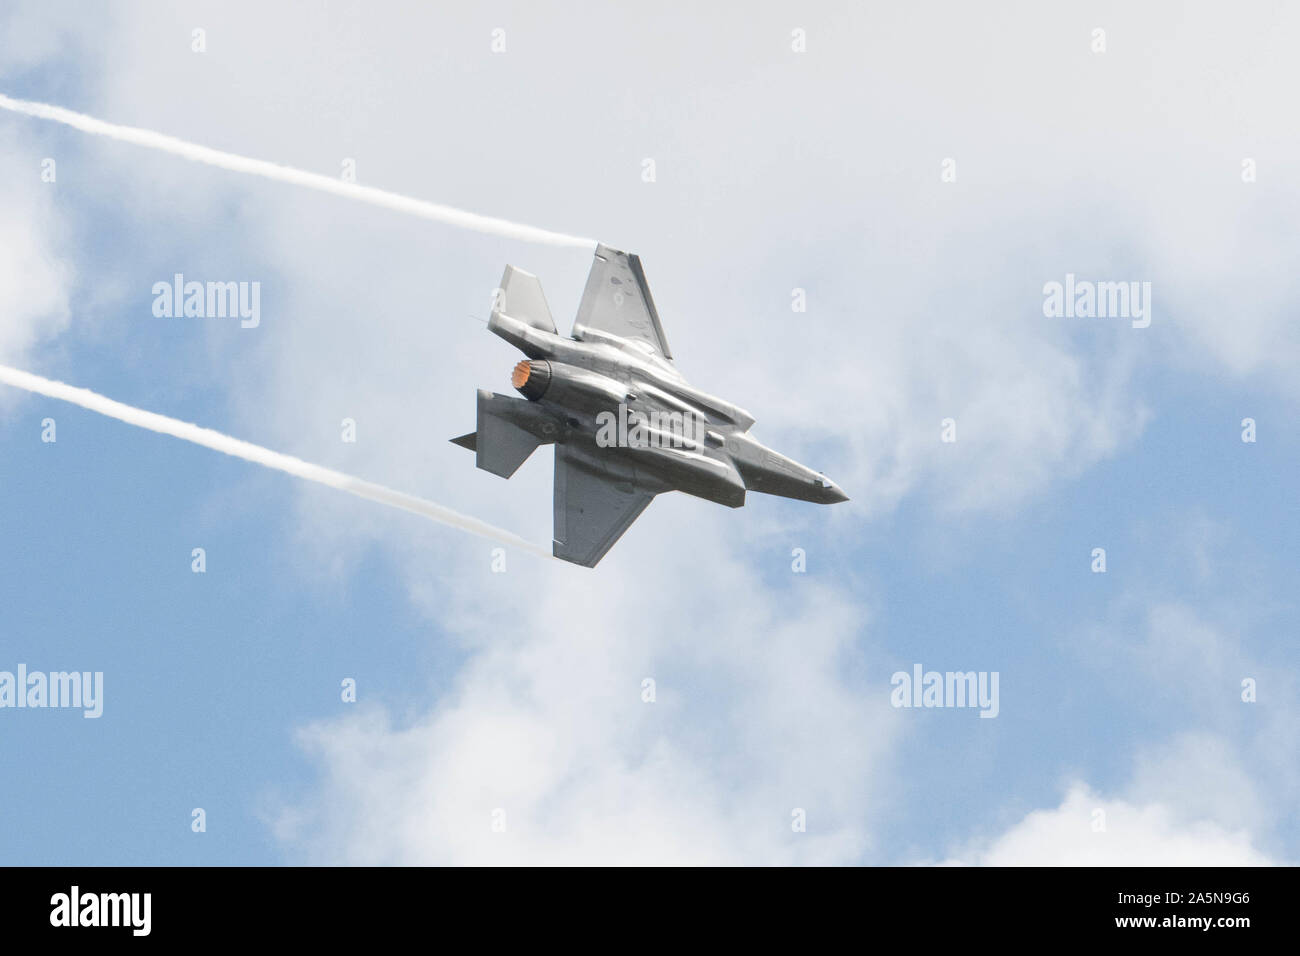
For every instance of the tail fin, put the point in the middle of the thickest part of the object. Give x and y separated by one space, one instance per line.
521 298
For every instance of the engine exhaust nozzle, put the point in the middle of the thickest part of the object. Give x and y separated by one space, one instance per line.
531 378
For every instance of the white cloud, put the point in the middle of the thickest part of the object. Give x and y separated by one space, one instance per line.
930 328
928 293
757 713
1201 775
1226 761
34 275
1134 834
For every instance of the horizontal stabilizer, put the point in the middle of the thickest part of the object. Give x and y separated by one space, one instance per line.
501 443
469 441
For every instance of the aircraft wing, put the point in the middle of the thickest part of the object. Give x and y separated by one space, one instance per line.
591 511
617 302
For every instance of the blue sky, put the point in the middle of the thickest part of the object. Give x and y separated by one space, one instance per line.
522 691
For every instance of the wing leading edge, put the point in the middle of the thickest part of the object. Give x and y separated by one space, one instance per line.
591 512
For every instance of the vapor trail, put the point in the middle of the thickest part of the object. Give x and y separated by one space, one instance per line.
259 455
287 174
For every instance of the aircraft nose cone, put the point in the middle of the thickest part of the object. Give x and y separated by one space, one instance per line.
831 493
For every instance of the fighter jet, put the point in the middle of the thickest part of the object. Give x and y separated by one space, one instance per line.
625 424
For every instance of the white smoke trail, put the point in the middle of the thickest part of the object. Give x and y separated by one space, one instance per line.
260 456
287 174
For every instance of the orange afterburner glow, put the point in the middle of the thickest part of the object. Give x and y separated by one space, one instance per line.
519 377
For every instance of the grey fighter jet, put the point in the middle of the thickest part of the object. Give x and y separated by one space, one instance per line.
625 424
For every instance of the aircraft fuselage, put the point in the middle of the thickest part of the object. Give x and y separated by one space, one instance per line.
625 424
585 385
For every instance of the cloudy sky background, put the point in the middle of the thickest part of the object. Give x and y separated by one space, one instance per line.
775 170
